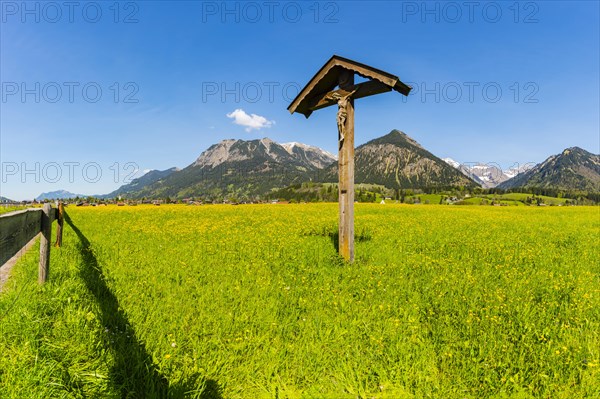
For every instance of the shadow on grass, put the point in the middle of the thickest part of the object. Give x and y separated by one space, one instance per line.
333 233
134 374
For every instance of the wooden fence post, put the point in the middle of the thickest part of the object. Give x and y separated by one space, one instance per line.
45 244
59 225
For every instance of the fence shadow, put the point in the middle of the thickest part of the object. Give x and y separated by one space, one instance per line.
134 374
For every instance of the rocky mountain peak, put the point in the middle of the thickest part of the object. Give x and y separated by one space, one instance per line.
216 154
398 161
573 169
264 150
398 136
266 142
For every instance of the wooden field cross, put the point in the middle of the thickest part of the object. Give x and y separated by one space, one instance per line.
321 92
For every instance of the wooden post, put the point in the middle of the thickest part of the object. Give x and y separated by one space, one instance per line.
346 176
59 225
45 244
334 84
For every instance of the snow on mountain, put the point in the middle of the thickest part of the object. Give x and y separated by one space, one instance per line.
320 158
489 175
512 172
451 162
290 148
240 150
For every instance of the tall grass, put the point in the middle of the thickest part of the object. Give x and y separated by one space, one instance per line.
253 302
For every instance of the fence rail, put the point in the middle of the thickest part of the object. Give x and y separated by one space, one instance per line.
19 227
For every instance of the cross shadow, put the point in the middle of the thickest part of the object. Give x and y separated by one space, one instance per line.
362 235
335 239
133 375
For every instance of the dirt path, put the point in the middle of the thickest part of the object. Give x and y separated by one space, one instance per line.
7 267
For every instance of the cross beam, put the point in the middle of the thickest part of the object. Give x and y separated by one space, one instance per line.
364 89
319 93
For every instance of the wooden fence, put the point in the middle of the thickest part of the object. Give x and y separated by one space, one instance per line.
20 227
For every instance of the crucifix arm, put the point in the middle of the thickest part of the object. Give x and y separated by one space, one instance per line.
339 95
358 91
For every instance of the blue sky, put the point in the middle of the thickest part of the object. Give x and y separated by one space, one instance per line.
92 92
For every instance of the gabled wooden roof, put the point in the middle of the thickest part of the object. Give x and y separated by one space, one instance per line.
327 79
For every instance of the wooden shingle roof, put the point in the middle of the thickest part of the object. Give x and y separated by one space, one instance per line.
311 97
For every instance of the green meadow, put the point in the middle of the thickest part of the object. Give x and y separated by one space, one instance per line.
253 301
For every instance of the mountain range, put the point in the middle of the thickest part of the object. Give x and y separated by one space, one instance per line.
139 183
58 194
487 175
573 169
251 169
397 161
239 168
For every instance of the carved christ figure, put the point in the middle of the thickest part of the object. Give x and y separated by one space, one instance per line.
342 114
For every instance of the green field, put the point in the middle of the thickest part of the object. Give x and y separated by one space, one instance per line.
252 301
521 197
433 199
508 199
7 209
488 201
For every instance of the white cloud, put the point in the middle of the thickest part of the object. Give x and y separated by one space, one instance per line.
252 121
